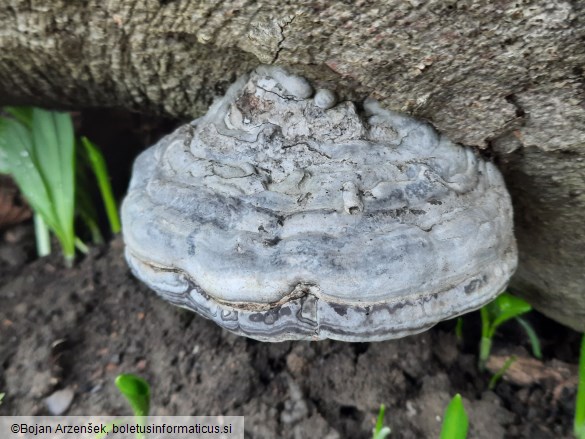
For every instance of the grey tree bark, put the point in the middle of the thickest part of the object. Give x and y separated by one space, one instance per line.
506 77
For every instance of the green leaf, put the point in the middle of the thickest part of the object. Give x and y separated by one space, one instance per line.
380 431
98 165
531 333
54 151
83 203
500 373
21 114
579 423
137 392
86 212
507 307
17 147
456 423
38 150
2 395
494 314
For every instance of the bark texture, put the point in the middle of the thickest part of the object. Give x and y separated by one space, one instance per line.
505 76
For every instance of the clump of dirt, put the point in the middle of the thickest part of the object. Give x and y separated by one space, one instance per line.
104 322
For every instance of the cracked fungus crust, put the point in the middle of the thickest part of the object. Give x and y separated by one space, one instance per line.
282 215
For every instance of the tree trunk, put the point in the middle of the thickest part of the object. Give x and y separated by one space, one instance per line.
506 77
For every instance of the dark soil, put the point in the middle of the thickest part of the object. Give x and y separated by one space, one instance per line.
109 323
79 328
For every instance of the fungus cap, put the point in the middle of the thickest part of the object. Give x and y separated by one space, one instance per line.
282 218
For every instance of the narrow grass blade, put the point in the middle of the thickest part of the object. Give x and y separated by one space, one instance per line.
22 115
92 226
531 333
98 165
2 395
42 236
456 423
459 329
380 431
500 373
17 147
579 424
84 206
54 141
380 420
137 392
38 150
80 245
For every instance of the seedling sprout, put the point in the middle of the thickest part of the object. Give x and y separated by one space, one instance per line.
137 391
494 314
38 148
500 373
455 423
98 166
381 431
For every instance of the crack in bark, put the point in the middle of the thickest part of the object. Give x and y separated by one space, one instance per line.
512 99
282 38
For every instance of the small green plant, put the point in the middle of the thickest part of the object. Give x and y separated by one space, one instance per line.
38 148
137 391
455 422
99 168
2 395
579 423
500 373
494 314
534 341
381 431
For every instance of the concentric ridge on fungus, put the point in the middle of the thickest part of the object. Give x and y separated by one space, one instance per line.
282 214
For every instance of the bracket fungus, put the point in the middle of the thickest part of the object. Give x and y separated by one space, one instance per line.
282 215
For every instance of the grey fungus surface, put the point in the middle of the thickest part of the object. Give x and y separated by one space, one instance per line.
282 215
